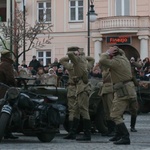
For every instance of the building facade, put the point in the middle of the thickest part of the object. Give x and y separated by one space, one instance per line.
125 23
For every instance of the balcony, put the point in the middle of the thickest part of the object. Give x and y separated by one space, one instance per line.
123 24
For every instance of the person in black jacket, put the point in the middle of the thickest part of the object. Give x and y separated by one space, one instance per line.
35 64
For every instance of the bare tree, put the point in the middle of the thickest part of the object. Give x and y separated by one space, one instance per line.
15 31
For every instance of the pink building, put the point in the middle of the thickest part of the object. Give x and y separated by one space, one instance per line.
122 22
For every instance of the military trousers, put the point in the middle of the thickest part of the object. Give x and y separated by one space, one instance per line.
133 107
107 99
119 106
71 106
71 97
82 106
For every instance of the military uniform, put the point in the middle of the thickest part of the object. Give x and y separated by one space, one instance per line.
107 98
124 91
83 89
6 72
7 77
71 89
133 109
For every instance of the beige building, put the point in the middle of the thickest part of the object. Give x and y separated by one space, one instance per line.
125 23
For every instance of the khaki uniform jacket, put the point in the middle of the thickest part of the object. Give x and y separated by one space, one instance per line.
107 86
80 66
90 61
120 70
79 63
69 66
119 65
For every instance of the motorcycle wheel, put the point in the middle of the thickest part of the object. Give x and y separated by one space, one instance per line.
46 137
99 120
4 119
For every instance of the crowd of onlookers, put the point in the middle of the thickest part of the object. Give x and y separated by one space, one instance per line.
53 73
60 74
143 72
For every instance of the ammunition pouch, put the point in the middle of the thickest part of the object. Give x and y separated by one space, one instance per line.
120 89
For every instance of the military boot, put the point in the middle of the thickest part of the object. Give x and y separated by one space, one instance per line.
125 135
111 128
117 135
73 129
133 121
87 133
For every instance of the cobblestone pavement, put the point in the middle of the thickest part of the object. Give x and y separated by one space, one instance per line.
139 140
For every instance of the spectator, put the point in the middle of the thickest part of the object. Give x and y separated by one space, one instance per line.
59 75
56 63
146 64
35 64
148 73
46 68
135 67
55 68
51 72
96 73
24 64
49 65
142 76
40 76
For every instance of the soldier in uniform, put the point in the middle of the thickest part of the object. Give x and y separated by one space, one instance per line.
124 90
133 110
107 95
7 77
83 89
71 92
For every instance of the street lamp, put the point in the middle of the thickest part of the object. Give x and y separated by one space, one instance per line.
11 28
92 16
24 22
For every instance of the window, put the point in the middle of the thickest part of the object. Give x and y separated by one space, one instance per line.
44 56
76 10
122 7
3 11
44 11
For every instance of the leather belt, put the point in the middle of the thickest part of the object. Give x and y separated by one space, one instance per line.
127 81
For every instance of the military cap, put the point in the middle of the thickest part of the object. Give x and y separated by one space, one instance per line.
73 48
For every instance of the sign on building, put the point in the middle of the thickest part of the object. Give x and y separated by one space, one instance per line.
119 40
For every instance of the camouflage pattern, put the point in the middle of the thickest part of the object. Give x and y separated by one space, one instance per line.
124 88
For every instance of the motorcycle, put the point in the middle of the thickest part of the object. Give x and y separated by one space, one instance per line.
23 113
